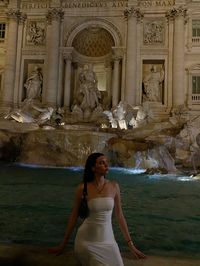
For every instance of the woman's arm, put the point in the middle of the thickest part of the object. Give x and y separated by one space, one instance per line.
70 224
123 225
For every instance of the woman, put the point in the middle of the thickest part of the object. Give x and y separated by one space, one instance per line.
95 244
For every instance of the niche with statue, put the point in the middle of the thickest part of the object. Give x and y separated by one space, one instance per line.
153 81
33 80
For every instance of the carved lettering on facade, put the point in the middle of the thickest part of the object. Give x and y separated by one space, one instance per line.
92 4
84 4
34 5
78 4
156 3
119 4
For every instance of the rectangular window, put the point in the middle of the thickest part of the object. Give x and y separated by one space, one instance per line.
196 28
196 85
2 31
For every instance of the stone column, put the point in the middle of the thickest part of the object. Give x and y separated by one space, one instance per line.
17 96
60 80
118 53
61 67
53 41
67 85
115 81
178 78
169 93
132 14
10 65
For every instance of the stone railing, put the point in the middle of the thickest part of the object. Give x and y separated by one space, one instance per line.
196 98
195 41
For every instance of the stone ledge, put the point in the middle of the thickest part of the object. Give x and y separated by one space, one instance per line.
20 255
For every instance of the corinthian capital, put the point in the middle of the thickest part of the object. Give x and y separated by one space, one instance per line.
67 53
55 14
14 14
117 53
67 56
176 12
22 18
128 12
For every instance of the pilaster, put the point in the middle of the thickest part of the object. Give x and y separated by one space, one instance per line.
14 16
178 15
54 18
67 85
133 16
17 96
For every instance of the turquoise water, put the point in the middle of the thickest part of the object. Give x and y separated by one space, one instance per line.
162 212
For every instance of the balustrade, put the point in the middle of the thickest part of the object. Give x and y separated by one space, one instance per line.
196 41
195 98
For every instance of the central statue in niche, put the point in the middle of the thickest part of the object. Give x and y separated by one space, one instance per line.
88 97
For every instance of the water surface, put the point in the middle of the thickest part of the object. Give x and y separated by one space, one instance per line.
162 212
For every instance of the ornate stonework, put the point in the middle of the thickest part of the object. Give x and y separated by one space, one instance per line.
133 12
154 32
93 41
36 33
54 14
97 22
175 12
14 14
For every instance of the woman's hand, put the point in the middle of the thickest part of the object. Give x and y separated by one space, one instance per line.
57 250
135 252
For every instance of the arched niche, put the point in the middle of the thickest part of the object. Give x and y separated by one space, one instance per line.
97 23
93 42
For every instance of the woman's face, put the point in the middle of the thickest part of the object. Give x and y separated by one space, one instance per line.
101 166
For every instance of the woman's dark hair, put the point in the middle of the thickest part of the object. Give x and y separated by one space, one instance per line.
88 175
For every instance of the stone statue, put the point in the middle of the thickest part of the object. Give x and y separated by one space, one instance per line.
20 116
28 115
153 85
117 116
45 114
33 84
88 94
112 120
141 117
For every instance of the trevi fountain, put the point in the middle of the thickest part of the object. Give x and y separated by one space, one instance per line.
120 77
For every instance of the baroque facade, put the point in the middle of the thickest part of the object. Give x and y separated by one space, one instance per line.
140 50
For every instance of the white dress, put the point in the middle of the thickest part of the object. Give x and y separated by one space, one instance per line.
95 244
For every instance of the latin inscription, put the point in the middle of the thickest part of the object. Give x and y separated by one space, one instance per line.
89 4
34 5
78 4
156 3
99 4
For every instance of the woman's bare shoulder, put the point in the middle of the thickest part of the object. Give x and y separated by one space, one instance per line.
114 183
